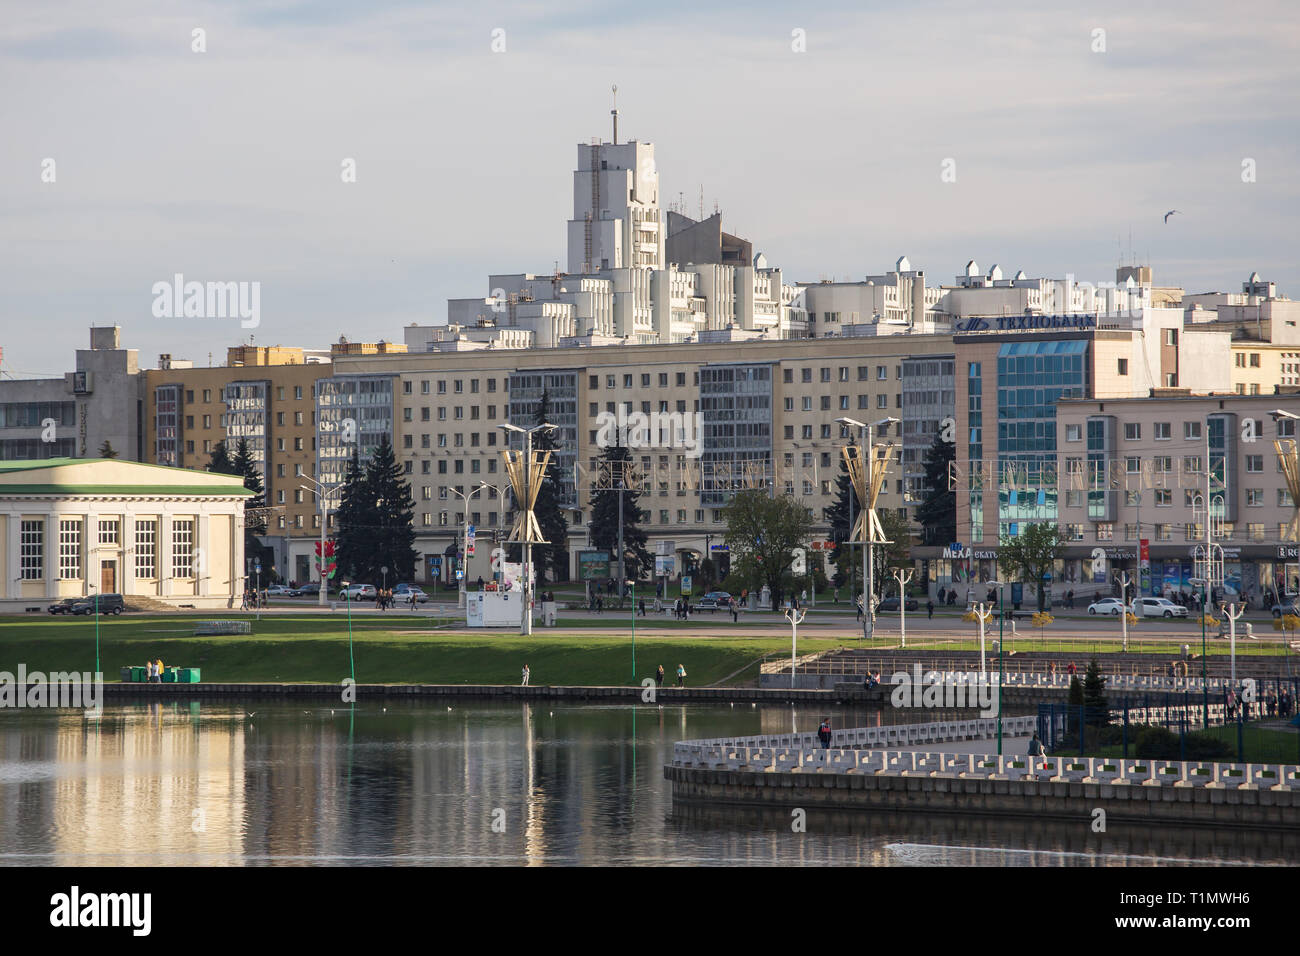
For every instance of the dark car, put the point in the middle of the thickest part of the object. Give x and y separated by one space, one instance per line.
108 604
64 606
891 604
1289 608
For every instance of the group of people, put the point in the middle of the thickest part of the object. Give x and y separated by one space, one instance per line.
1272 704
947 596
154 671
253 599
383 599
681 676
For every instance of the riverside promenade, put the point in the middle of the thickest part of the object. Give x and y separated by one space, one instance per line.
930 769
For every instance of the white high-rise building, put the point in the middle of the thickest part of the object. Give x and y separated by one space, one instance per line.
616 221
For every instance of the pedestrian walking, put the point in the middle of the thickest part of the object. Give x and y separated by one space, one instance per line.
824 733
735 612
659 676
525 676
681 676
1071 669
929 610
641 606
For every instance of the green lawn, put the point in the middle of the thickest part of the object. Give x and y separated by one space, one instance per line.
394 649
1260 745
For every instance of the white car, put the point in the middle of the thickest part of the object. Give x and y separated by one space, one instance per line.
358 592
1110 605
282 590
402 595
1158 607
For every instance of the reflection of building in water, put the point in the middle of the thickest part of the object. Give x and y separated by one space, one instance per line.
131 782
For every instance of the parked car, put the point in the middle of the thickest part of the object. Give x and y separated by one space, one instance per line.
714 600
402 594
891 604
1110 605
310 589
64 606
1291 607
283 590
108 604
1158 607
358 592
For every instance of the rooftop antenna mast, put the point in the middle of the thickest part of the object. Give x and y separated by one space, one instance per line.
614 112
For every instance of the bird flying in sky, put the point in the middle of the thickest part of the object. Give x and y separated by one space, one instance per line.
1170 213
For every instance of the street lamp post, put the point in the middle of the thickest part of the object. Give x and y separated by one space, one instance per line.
1124 581
902 577
323 494
795 616
1002 648
632 585
464 541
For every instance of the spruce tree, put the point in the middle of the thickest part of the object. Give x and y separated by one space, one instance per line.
604 519
1094 695
841 527
219 462
937 512
393 538
107 450
255 510
354 524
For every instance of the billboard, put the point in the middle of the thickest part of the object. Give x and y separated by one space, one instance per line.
593 565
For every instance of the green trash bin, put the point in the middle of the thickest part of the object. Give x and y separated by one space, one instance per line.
169 675
124 675
137 675
189 675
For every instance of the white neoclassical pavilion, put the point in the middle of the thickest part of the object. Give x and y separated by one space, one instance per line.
72 527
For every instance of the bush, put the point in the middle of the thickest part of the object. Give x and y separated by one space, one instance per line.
1156 743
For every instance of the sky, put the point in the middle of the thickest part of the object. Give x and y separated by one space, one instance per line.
822 133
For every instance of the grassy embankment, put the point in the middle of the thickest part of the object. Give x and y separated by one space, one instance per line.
393 649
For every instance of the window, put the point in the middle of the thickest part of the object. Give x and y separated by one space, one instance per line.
1164 532
807 403
1194 532
1255 497
787 375
882 373
1123 367
183 548
681 379
882 401
864 401
825 374
1132 431
1164 497
1164 431
826 403
593 381
1133 465
1130 532
69 549
1284 499
108 531
1254 464
806 431
627 381
207 395
146 545
663 379
1191 464
1074 532
1073 432
1074 499
1170 336
789 404
805 375
1105 532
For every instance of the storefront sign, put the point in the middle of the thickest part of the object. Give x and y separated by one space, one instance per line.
1016 323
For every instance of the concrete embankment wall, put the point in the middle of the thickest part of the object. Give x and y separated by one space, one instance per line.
663 695
1269 809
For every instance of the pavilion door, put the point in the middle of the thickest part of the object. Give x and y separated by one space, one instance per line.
108 577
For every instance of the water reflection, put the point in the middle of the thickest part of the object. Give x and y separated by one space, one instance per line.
190 784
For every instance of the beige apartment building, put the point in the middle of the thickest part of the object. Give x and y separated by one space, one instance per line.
1135 482
767 410
266 395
